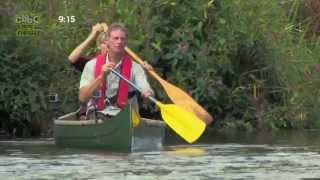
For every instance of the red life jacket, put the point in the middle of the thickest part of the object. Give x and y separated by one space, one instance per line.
123 90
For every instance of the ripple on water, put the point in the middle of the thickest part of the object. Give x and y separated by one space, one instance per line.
206 161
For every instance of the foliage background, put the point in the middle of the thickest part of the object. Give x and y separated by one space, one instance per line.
251 64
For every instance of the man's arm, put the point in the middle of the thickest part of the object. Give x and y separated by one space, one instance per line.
79 50
86 91
140 79
88 83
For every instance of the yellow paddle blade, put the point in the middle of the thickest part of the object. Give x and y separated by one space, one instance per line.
183 122
182 99
177 95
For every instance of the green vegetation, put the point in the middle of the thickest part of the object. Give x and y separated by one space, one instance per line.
252 64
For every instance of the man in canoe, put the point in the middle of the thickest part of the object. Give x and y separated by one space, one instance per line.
112 93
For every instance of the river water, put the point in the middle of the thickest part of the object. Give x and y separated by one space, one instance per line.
294 155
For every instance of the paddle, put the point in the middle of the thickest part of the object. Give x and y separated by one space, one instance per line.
177 95
184 123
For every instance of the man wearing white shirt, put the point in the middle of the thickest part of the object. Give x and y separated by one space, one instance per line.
97 75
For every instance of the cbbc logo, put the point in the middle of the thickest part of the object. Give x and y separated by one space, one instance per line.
27 24
27 19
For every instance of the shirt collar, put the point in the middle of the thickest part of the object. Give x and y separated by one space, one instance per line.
117 65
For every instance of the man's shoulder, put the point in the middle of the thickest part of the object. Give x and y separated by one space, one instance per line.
136 65
91 62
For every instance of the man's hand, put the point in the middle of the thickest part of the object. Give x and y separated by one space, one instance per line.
106 68
147 66
96 29
146 93
105 27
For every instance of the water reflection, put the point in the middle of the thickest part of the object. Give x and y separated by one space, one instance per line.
187 151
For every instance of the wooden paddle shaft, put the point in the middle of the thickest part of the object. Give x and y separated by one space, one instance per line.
140 61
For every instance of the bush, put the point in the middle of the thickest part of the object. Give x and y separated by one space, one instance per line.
251 64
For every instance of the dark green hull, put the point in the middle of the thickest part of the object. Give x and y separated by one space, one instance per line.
115 134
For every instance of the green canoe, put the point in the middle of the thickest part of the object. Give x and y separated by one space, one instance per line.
115 134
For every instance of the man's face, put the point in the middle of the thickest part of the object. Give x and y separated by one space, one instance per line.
117 41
